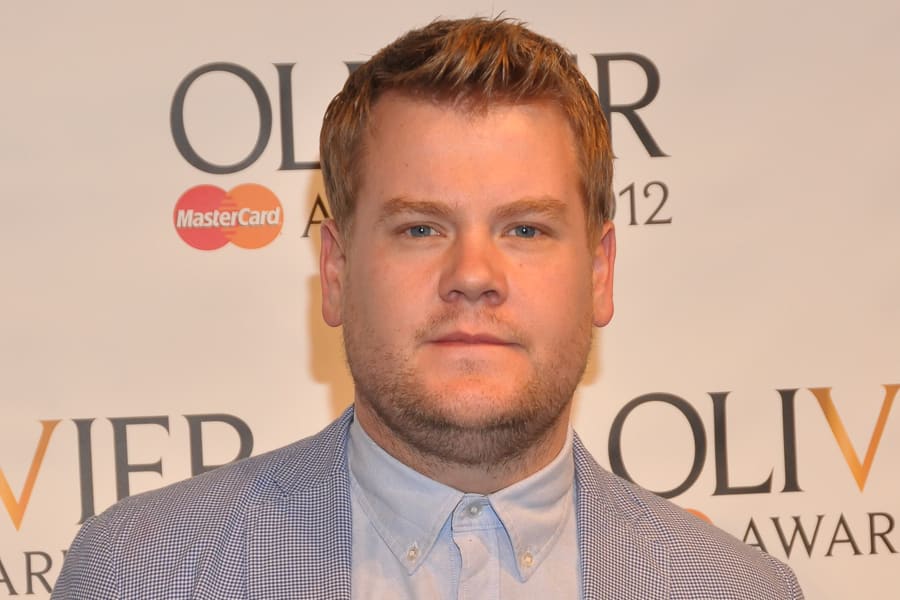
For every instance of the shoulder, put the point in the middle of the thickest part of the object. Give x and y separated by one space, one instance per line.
697 557
192 521
232 488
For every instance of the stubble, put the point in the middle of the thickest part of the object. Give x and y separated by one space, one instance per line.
429 423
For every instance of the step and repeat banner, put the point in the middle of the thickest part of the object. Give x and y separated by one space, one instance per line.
749 373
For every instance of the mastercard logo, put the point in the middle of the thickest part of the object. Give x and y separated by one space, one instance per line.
249 216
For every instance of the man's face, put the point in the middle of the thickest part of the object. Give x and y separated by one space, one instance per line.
467 286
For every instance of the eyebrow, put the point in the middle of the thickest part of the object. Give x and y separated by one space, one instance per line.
547 206
544 205
403 205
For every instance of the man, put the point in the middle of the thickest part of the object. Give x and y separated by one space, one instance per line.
468 167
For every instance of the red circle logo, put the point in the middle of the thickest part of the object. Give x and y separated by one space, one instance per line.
207 217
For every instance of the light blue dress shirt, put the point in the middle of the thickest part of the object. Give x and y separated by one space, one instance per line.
416 538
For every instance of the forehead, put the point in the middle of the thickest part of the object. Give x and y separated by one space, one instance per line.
450 151
398 106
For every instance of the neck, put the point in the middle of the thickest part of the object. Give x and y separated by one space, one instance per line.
483 478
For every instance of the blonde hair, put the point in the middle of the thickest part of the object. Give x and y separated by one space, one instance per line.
470 63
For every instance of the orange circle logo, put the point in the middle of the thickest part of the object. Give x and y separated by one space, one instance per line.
207 217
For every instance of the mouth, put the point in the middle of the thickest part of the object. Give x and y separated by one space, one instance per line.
461 338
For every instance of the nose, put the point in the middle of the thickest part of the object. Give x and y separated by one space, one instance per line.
474 270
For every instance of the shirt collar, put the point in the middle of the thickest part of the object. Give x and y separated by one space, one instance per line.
406 508
534 511
409 510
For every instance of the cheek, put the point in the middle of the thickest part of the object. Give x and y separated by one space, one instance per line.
565 279
559 298
381 289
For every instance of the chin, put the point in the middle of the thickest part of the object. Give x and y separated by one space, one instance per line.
477 407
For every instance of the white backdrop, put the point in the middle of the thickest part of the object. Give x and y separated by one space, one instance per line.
779 269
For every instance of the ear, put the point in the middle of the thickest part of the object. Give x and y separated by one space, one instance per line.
603 269
332 263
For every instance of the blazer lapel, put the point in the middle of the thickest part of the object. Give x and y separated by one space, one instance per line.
618 562
300 544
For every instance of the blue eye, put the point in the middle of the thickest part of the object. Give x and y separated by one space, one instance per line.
524 231
420 231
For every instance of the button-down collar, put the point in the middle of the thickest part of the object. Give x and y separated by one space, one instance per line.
409 510
535 509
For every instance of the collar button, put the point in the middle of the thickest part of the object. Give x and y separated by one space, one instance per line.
412 554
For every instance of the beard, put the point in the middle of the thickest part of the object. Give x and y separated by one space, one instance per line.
478 425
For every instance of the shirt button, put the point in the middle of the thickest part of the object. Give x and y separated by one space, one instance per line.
474 509
412 554
527 560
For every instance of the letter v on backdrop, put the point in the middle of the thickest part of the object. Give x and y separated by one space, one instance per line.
860 470
16 508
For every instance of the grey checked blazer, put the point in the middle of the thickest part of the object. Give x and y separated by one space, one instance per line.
278 526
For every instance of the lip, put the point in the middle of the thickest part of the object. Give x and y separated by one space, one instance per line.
470 339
